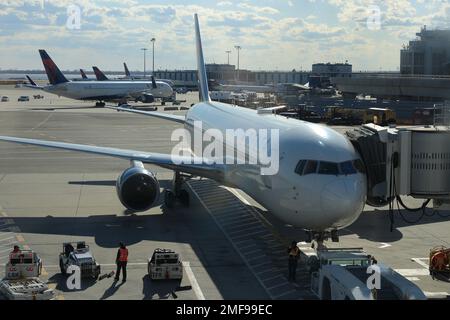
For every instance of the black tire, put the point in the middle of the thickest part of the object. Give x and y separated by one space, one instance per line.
184 198
61 267
169 199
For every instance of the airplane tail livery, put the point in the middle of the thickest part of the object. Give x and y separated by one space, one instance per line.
32 82
127 72
99 74
83 74
55 76
203 80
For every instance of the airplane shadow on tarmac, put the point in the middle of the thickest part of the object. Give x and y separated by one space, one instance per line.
162 289
61 283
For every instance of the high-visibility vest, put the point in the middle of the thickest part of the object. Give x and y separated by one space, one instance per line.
123 254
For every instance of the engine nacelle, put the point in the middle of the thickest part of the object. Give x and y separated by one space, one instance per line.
146 98
138 188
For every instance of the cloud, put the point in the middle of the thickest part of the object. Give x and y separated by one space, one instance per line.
273 34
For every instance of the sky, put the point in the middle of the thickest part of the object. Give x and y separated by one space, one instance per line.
273 34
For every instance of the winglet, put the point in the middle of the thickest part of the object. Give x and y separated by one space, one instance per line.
99 74
83 74
202 77
127 72
55 76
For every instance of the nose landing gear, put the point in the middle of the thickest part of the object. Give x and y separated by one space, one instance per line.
177 193
318 237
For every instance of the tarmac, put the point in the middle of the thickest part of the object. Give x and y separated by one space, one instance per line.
231 247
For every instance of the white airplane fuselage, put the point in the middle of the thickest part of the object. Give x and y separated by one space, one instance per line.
318 202
104 90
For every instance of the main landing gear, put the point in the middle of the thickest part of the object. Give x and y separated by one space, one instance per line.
317 238
177 193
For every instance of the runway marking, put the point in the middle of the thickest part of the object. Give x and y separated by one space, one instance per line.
9 249
1 240
436 294
413 272
419 261
384 245
42 123
198 292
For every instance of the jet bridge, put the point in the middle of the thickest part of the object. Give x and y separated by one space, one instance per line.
405 162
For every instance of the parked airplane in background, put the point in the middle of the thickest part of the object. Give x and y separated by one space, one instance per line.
216 86
129 76
110 91
83 75
99 75
320 184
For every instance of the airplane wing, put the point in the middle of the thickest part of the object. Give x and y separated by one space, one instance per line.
165 116
188 164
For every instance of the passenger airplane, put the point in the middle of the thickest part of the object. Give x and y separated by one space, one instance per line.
320 185
131 77
116 91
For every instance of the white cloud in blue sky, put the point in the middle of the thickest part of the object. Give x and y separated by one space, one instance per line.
274 34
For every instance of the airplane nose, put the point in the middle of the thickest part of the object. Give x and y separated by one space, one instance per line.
343 201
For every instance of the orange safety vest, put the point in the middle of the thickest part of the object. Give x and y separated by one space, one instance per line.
123 255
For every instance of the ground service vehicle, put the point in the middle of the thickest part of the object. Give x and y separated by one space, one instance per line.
81 257
21 280
165 264
23 98
345 274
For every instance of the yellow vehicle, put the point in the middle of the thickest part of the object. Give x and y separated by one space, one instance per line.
349 116
380 116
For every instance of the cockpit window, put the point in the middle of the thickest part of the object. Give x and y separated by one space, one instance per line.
305 167
300 167
347 168
330 168
311 167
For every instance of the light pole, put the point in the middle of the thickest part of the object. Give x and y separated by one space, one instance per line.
228 52
153 41
238 48
145 53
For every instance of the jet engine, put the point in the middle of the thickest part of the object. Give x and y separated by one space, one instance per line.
138 188
146 98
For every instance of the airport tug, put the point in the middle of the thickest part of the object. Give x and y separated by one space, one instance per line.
79 256
165 264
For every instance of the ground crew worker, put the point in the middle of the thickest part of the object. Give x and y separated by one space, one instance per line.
121 261
16 249
294 254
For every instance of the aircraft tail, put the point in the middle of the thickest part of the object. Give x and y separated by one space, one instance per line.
127 72
99 74
83 74
32 83
55 76
203 79
154 83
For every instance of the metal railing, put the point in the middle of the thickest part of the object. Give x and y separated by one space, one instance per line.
442 114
